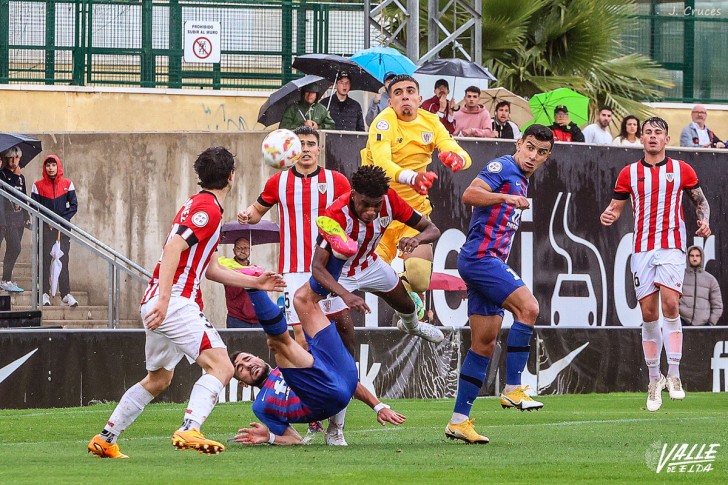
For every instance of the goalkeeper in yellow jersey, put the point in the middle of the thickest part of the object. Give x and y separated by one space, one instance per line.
401 141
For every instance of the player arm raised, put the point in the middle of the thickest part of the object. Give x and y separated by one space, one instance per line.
451 153
268 281
612 212
702 211
259 434
479 194
385 414
252 214
171 254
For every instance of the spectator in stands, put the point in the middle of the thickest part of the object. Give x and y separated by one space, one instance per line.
701 301
503 127
630 134
472 119
381 99
598 133
307 111
345 111
57 193
240 309
14 218
563 128
696 134
445 108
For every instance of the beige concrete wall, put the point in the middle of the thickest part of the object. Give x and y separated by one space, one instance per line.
130 186
71 109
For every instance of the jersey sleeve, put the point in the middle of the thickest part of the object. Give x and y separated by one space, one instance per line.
269 196
201 223
446 143
688 176
401 210
623 187
341 185
382 134
275 424
492 174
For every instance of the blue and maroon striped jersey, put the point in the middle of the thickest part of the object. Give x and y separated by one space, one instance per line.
276 405
492 228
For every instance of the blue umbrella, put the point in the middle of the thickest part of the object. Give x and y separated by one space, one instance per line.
381 60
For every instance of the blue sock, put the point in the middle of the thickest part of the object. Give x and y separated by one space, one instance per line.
334 267
270 316
472 375
519 346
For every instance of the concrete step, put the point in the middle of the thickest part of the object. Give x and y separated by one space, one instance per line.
90 324
68 313
23 299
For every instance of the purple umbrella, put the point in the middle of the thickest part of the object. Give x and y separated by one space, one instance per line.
264 232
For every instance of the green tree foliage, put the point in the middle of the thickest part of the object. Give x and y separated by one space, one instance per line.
533 46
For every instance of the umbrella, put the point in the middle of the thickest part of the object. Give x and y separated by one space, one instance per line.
56 265
263 232
456 68
29 145
329 66
520 109
381 60
543 106
272 110
444 281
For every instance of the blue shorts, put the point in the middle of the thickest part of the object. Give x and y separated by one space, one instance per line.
490 281
328 386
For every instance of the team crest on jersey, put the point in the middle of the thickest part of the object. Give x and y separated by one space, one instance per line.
385 221
327 306
322 187
382 125
427 137
670 176
495 167
200 219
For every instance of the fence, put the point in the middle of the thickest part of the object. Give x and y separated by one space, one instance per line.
141 42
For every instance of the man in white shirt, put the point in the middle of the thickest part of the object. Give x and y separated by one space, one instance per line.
696 134
598 133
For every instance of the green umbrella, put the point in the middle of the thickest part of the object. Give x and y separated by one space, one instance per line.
543 105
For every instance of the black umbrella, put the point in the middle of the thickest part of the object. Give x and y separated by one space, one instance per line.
272 110
264 232
30 146
456 68
330 66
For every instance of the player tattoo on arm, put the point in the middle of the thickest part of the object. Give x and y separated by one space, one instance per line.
702 208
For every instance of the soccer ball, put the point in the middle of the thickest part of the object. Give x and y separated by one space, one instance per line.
281 149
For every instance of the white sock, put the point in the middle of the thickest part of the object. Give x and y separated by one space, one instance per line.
337 420
458 418
203 398
673 336
409 320
510 388
652 348
130 406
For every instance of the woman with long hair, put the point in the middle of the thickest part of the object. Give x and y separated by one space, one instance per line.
630 132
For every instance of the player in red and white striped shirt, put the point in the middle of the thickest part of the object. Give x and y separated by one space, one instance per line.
655 185
302 193
172 313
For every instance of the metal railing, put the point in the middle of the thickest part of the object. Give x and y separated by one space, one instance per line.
141 42
117 263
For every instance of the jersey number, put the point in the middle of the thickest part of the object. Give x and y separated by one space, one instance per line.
636 280
515 276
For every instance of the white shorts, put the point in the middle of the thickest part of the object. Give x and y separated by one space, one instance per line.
659 267
379 277
330 306
184 332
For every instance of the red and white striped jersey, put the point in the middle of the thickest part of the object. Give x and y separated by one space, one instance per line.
198 222
367 236
656 194
300 199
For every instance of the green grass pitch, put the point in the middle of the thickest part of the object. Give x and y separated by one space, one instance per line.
593 438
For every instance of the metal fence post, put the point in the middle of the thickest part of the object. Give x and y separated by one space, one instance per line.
4 41
79 51
50 42
147 53
174 61
286 40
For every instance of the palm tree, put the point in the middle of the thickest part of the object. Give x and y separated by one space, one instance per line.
533 46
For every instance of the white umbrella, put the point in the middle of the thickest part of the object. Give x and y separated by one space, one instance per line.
56 265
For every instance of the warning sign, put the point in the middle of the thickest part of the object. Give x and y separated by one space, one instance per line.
202 41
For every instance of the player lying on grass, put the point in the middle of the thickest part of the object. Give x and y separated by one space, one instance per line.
306 386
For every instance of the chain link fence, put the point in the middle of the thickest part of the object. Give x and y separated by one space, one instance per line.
141 42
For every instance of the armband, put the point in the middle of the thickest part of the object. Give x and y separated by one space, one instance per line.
381 406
